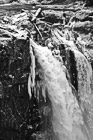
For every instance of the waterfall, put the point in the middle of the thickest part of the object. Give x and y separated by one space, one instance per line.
67 118
84 72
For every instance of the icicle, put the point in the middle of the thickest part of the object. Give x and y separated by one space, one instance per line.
37 94
31 78
43 93
32 66
29 86
19 88
33 71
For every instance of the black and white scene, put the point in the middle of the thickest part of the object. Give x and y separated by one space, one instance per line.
46 69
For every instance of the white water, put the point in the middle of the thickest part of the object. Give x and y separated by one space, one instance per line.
67 117
84 71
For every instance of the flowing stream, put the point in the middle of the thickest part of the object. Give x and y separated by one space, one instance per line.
68 119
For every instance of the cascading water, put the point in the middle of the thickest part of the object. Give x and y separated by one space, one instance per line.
67 117
84 72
